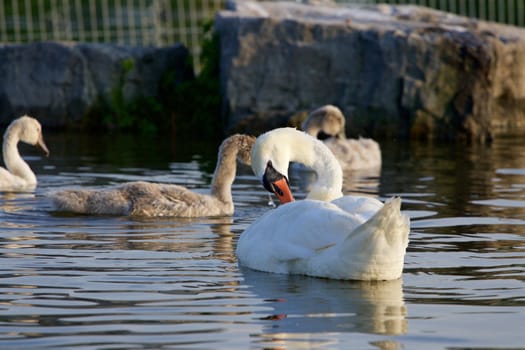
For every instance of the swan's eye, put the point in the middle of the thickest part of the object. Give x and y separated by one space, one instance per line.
267 184
321 135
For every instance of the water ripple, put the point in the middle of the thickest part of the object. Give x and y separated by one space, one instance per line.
98 282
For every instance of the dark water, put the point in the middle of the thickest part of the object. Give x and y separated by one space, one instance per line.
80 282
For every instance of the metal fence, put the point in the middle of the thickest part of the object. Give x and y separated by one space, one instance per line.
164 22
503 11
126 22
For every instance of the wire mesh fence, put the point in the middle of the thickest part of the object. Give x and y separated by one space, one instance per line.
125 22
164 22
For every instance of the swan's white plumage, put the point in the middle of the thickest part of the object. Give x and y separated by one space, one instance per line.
344 237
18 176
153 199
352 154
320 239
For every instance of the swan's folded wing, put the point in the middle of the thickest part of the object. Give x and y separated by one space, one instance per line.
297 230
386 230
362 208
9 181
167 200
90 201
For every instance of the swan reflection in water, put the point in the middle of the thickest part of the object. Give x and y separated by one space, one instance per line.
304 304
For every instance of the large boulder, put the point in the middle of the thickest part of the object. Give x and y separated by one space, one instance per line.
394 70
60 83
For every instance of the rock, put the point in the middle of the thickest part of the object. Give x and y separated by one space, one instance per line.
60 83
394 70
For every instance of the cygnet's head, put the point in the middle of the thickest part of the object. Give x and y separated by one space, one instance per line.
29 131
327 120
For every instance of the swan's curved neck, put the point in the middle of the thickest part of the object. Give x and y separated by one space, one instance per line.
314 154
12 159
224 174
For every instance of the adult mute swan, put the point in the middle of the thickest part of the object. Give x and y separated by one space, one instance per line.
352 154
18 176
328 234
153 199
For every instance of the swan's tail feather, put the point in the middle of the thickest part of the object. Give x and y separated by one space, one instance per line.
379 245
90 202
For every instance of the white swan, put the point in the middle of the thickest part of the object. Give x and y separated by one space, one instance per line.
19 176
352 154
153 199
326 235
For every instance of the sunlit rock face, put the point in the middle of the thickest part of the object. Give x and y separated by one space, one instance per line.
393 70
60 83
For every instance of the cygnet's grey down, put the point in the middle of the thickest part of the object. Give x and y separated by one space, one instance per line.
352 154
155 199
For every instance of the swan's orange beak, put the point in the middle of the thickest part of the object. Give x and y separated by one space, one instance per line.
275 182
282 190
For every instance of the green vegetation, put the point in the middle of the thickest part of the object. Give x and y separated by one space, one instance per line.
187 109
197 102
137 114
143 114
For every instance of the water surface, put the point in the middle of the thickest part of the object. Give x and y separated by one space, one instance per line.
84 282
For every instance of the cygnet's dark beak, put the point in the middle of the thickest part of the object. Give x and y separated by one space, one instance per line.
277 183
42 145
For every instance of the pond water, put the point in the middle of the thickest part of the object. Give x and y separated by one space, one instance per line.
84 282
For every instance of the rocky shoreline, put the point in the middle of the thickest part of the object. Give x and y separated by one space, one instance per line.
62 83
405 71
